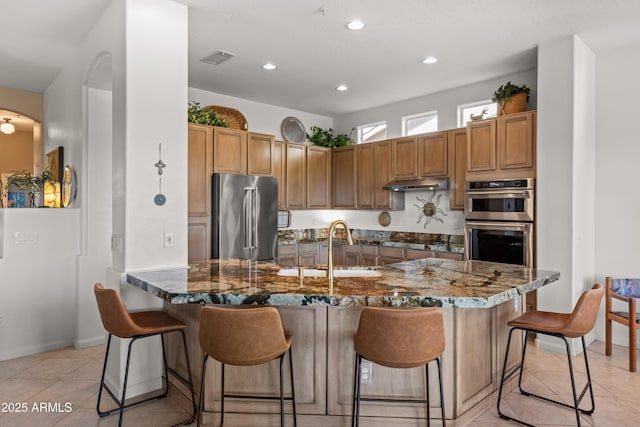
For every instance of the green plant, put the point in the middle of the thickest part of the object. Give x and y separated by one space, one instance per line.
195 114
31 184
325 138
507 90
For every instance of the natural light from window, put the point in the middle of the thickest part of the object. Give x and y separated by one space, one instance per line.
372 132
420 123
476 108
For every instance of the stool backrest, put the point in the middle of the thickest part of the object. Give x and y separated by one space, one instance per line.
113 313
400 338
584 314
242 336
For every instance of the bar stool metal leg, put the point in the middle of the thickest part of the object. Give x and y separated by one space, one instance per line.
576 399
293 392
444 422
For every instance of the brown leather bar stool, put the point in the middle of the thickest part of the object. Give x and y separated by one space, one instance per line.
398 338
562 325
244 337
119 322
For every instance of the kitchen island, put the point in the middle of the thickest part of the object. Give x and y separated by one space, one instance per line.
478 299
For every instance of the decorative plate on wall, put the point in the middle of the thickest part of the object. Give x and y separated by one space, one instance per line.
69 187
292 130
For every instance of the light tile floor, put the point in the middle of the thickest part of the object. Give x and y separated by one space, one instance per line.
72 376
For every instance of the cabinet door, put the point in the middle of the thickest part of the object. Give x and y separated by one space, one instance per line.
382 166
457 143
198 238
296 176
351 254
404 160
259 154
280 172
433 154
364 154
516 146
200 166
288 255
343 177
481 149
229 151
318 178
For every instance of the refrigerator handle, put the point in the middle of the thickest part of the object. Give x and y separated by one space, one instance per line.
254 218
247 220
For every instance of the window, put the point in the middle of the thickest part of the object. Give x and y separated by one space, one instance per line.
465 111
372 132
420 123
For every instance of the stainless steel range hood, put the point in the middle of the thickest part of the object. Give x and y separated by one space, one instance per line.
418 184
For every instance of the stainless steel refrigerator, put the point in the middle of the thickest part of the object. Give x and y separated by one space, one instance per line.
244 217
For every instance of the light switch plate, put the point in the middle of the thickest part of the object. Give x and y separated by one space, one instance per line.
26 237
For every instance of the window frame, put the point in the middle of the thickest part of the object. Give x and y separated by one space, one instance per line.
460 116
433 113
373 124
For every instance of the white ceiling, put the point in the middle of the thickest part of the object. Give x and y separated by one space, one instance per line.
474 40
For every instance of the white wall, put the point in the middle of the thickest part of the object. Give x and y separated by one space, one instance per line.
38 303
261 118
445 103
616 172
565 182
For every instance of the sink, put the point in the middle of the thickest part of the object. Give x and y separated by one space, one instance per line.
337 272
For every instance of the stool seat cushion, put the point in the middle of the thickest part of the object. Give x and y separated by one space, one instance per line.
629 288
543 321
156 322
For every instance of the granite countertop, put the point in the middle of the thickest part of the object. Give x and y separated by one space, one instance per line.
425 282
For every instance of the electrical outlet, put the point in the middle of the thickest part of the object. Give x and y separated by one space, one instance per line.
1 320
365 372
169 241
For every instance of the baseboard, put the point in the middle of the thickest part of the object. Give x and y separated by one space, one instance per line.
89 342
28 351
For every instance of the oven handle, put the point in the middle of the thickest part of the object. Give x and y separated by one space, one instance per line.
500 194
504 225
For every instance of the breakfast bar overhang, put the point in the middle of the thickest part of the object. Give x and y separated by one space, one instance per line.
477 298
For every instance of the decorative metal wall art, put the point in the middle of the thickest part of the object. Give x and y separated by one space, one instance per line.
429 209
160 199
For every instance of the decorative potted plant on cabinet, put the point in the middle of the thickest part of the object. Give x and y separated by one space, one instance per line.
511 98
325 138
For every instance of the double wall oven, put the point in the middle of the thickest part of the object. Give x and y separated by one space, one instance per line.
499 221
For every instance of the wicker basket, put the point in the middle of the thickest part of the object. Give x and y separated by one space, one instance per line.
234 117
515 104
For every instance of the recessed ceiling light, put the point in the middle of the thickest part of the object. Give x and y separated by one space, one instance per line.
430 60
269 66
342 88
355 25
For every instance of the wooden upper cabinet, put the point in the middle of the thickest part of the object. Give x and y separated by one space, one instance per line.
457 144
230 151
516 141
280 172
384 199
318 178
481 149
365 173
200 166
343 177
502 148
432 152
404 158
259 154
296 176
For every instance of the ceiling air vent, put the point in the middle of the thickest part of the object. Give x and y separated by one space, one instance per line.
218 57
